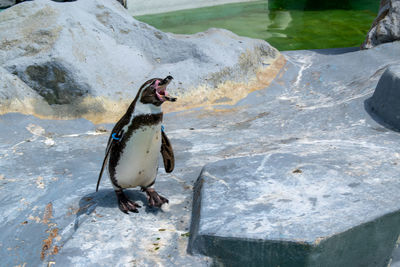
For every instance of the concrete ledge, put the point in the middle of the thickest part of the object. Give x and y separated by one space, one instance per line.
291 210
385 102
138 7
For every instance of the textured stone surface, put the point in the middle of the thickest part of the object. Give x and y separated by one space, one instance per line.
324 131
15 93
90 57
385 102
386 27
315 105
299 207
6 3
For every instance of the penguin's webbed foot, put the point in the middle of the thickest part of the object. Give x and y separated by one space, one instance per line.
126 205
155 200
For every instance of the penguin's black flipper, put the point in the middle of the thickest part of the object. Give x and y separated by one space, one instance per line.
167 153
116 136
104 164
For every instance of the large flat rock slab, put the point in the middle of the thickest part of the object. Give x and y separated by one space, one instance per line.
300 208
323 153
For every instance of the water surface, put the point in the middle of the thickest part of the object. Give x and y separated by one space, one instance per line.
287 25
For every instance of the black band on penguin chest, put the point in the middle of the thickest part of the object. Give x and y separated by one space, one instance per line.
119 146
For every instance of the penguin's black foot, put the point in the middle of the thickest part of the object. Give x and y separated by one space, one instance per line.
124 204
155 200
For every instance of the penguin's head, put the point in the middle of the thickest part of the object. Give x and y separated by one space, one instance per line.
155 92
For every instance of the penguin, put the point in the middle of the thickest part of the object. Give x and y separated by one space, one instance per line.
133 146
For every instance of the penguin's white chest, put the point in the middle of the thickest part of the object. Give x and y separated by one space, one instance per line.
138 162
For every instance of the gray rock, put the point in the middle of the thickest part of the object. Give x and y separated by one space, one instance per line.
313 118
300 208
16 95
386 27
92 56
385 102
6 3
315 106
57 216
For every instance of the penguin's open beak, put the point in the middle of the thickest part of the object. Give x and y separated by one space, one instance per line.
161 90
169 98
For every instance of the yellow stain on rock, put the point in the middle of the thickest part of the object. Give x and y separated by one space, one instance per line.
227 93
104 110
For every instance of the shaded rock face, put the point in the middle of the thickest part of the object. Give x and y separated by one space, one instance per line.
6 3
386 27
54 82
15 94
385 102
123 2
12 87
92 55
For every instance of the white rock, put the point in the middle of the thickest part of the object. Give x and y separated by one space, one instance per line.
92 56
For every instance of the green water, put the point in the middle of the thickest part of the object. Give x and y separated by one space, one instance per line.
287 25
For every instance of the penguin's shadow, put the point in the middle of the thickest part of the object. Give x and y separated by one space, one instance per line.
107 198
